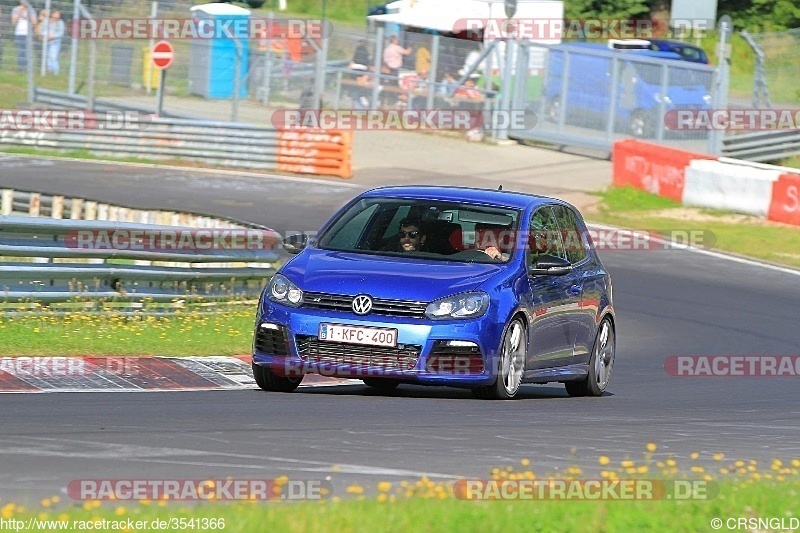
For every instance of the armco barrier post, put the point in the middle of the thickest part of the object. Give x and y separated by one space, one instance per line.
720 101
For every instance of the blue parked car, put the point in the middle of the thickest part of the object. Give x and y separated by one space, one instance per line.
688 52
459 287
638 98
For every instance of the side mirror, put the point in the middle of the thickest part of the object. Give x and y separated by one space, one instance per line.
295 243
551 265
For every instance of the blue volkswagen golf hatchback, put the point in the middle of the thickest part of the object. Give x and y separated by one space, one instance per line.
459 287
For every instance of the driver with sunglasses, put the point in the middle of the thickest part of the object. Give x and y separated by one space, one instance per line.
411 236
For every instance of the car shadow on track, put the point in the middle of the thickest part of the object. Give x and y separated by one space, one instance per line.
526 392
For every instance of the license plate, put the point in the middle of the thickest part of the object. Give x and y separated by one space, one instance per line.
358 335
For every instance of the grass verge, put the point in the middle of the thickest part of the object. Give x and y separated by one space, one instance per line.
765 500
81 154
723 489
42 332
730 232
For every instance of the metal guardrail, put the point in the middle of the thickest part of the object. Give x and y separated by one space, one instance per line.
25 203
762 145
230 144
77 101
70 272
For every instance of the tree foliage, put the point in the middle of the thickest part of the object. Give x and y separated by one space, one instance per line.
616 9
761 15
753 15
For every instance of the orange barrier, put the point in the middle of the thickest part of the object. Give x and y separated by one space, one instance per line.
316 152
785 204
652 167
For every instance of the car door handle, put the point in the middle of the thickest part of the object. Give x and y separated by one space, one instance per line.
576 289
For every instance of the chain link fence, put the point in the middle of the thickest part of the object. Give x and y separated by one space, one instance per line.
589 95
780 70
574 93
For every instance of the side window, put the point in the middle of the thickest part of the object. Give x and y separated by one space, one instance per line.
574 241
544 236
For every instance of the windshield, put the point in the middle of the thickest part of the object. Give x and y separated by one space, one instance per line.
424 229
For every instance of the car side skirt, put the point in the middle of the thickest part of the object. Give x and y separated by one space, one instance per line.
561 373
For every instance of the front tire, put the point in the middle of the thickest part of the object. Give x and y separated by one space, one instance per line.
600 364
267 380
554 109
514 350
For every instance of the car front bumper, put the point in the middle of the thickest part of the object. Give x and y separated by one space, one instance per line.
424 353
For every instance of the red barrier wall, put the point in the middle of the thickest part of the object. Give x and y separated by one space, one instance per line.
785 204
652 167
316 152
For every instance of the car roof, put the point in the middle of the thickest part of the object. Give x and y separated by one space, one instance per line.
676 44
644 52
489 197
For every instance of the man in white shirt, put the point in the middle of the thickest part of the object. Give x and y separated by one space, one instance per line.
20 19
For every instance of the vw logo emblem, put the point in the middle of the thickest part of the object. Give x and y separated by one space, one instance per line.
362 304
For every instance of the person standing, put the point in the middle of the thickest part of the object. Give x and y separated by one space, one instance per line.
22 27
393 57
423 59
5 30
39 30
55 32
361 60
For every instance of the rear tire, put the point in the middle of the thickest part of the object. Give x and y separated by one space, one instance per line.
600 364
512 364
553 109
268 381
381 385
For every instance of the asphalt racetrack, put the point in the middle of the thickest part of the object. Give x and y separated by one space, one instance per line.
669 302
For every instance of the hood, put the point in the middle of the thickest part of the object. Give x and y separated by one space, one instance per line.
395 278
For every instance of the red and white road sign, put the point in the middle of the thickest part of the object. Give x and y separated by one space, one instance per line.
162 54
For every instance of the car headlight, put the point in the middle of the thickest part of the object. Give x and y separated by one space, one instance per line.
280 289
467 305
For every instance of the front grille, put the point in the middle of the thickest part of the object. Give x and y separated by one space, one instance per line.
272 340
402 357
380 306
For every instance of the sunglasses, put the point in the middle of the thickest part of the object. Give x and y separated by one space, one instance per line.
412 234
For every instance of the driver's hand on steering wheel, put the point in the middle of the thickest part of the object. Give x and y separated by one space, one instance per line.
494 253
